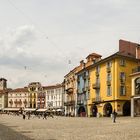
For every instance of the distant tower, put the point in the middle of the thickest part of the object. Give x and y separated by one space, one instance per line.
3 83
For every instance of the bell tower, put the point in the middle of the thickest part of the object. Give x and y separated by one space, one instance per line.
3 83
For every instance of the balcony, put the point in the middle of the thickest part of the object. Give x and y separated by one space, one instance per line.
88 88
84 77
108 69
96 99
69 103
122 81
108 82
84 89
79 102
136 70
96 85
69 90
97 73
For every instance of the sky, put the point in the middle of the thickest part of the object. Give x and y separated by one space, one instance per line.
42 40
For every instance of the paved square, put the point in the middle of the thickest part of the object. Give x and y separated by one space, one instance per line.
65 128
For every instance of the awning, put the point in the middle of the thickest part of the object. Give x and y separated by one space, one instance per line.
11 109
59 110
41 110
30 109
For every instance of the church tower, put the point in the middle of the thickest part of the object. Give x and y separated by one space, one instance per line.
3 83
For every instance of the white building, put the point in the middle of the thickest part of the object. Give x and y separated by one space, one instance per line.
18 98
54 96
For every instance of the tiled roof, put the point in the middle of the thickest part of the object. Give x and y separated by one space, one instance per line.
94 54
20 90
52 86
5 91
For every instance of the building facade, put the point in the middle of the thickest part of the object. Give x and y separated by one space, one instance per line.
70 93
110 83
18 98
36 101
83 82
54 97
135 97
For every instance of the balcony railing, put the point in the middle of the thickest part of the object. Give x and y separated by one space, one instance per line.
96 99
122 80
69 90
97 73
69 103
96 85
79 102
84 77
108 82
84 89
108 69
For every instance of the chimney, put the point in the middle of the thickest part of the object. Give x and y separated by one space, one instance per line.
82 64
128 48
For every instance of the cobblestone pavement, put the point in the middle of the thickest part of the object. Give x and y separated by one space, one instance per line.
64 128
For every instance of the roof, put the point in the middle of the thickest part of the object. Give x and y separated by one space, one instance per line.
20 90
117 54
94 54
72 71
53 86
5 91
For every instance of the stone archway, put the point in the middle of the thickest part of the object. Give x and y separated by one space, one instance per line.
94 110
126 108
82 111
107 109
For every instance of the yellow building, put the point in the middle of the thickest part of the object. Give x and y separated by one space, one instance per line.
110 81
70 93
34 89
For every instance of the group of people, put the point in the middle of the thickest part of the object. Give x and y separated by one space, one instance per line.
44 115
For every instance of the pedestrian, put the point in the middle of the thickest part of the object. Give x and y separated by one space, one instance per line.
24 116
29 115
114 115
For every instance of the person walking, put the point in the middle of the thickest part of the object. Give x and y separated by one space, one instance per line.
114 116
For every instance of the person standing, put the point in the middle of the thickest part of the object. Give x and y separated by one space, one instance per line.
24 116
114 116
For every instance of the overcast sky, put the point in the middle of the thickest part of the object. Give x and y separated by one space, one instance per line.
38 38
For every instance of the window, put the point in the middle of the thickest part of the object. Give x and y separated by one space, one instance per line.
122 62
97 92
122 75
97 80
108 76
52 97
122 90
97 69
108 64
109 91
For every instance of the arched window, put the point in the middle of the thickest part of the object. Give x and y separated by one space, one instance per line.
137 86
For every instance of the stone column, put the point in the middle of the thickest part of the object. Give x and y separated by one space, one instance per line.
132 107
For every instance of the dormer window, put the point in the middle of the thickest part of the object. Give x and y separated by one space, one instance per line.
122 62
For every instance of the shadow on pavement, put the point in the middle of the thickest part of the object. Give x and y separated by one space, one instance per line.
6 133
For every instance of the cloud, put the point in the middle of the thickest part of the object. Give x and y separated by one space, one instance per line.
16 41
